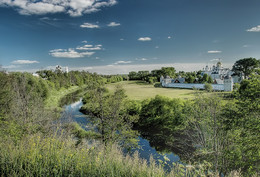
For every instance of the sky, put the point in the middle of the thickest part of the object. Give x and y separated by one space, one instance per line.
118 36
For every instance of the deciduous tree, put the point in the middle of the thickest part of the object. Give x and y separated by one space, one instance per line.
245 66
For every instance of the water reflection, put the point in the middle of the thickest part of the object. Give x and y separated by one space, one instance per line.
145 150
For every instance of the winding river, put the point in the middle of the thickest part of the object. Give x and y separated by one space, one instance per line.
72 113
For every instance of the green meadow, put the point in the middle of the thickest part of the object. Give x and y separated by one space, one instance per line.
139 90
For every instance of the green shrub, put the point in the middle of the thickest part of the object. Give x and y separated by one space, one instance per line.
208 87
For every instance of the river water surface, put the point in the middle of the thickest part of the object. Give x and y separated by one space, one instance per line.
145 150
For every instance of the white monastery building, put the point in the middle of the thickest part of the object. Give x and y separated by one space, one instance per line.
223 78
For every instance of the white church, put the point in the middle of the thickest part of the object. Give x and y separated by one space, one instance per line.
223 79
218 73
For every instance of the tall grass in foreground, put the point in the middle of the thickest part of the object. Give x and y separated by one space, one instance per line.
53 156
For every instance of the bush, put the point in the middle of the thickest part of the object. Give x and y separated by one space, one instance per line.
158 84
208 87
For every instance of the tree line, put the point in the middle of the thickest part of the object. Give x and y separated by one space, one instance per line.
241 67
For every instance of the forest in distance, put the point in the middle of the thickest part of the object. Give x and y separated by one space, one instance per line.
214 133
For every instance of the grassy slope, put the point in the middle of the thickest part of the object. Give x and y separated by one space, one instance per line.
55 96
56 156
139 90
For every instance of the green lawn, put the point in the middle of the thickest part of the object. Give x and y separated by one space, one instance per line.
139 90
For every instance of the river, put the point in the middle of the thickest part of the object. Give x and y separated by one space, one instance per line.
71 112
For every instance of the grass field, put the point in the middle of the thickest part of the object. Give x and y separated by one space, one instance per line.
138 90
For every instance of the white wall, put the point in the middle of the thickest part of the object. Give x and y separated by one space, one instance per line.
190 86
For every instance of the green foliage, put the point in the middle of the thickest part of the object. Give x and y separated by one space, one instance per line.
54 156
81 134
249 89
246 125
114 78
162 112
133 75
152 80
208 87
161 119
210 80
190 78
143 75
111 115
206 132
220 135
168 71
22 107
245 66
157 85
154 76
205 78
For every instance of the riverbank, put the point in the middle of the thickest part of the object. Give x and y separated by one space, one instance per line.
56 95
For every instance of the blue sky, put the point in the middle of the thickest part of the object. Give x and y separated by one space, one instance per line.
117 36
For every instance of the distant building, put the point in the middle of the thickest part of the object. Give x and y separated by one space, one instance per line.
228 84
217 71
168 80
223 79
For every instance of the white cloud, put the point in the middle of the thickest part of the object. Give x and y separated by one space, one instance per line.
113 24
20 62
71 7
84 42
214 51
122 62
89 47
215 59
38 8
144 39
86 50
141 59
169 37
81 68
245 46
122 39
69 53
45 18
89 25
157 47
254 29
10 67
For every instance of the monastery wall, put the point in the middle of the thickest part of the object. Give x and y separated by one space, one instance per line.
217 87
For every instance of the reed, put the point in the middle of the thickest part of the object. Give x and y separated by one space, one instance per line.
36 155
